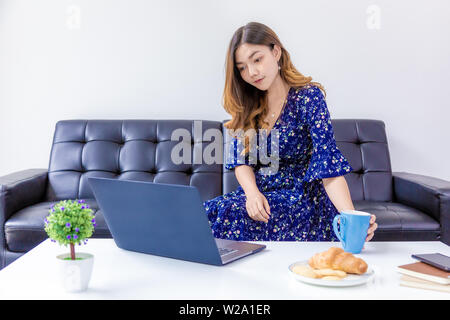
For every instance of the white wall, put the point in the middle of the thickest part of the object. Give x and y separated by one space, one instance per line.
129 59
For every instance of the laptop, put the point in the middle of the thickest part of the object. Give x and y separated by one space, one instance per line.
162 219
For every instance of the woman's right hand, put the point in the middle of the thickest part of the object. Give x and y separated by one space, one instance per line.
257 207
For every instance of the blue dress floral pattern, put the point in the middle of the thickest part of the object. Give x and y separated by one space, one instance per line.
300 207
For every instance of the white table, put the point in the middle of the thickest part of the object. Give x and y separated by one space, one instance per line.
121 274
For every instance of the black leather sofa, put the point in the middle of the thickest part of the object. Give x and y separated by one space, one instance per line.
408 206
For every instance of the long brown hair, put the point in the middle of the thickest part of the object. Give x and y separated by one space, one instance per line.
247 105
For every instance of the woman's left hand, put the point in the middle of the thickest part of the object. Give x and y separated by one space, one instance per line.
372 227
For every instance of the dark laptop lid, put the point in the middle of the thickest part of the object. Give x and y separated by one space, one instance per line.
163 219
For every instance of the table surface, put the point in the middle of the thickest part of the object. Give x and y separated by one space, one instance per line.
121 274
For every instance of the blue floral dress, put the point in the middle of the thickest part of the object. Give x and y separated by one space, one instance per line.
300 207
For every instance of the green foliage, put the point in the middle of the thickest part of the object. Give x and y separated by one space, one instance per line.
70 222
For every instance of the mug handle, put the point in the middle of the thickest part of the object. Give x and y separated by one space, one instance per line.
339 233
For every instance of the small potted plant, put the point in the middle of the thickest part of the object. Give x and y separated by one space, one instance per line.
71 222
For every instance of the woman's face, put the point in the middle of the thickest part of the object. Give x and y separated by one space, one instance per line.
256 62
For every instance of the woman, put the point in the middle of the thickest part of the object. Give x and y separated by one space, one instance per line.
297 201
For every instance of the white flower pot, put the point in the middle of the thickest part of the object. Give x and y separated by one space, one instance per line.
75 274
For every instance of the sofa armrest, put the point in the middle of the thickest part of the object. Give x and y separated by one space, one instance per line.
21 189
427 194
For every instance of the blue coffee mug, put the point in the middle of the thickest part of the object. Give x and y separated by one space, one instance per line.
352 229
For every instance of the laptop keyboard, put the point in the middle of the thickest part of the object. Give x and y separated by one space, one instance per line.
225 251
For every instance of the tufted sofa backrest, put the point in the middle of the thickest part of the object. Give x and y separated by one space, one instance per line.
131 150
364 144
142 150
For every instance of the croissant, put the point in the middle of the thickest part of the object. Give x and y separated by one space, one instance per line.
337 259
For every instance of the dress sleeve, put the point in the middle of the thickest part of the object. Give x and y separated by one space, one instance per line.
233 157
326 160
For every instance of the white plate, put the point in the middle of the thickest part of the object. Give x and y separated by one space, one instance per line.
349 280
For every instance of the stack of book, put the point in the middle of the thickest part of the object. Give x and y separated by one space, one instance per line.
425 276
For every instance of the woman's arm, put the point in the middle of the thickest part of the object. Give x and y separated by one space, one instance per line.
339 194
246 178
337 190
257 205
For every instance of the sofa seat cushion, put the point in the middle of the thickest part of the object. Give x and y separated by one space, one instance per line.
398 222
25 229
